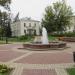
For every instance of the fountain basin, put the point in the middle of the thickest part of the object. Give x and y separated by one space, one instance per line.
39 46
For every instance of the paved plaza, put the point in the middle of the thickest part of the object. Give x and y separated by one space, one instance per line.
27 62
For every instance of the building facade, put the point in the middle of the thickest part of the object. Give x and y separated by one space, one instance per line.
72 25
25 26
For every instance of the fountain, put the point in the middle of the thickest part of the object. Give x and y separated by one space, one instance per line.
44 38
42 43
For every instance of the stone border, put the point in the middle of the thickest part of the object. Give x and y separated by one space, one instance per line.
42 47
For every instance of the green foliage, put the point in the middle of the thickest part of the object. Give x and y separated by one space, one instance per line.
4 19
8 32
68 34
25 38
51 38
5 29
3 2
71 71
57 17
4 70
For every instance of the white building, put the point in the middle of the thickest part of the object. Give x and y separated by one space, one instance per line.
72 25
25 26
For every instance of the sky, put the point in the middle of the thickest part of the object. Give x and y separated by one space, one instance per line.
34 8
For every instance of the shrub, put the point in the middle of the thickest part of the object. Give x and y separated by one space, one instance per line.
4 69
25 38
68 34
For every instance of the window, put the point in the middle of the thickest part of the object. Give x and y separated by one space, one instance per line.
29 24
24 24
34 24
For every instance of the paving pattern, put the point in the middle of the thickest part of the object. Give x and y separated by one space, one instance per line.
28 62
47 58
9 55
38 72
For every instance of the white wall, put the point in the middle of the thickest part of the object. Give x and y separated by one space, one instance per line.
18 27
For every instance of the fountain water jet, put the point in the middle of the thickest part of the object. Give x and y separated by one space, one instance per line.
44 38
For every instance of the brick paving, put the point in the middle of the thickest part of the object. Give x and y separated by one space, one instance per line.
28 62
9 55
9 46
47 58
38 72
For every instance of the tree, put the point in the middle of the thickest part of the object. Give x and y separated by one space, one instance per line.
57 17
5 18
8 28
4 2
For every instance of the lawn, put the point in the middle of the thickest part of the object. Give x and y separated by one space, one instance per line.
24 39
2 42
17 39
51 38
71 71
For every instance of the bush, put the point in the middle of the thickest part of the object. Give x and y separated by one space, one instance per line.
51 38
71 71
4 69
68 34
25 38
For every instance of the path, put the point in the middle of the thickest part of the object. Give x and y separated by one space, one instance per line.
37 62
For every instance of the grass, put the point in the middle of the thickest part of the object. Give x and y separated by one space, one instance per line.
71 71
5 73
2 42
51 38
17 39
23 39
20 39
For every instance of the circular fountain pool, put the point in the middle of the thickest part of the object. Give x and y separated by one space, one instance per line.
39 46
42 43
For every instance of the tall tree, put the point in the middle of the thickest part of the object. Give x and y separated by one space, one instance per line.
4 2
57 17
6 16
